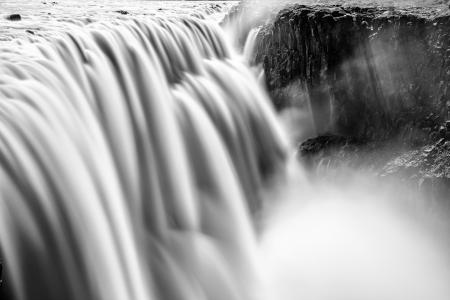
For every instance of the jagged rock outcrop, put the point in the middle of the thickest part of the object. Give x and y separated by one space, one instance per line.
426 169
367 72
423 171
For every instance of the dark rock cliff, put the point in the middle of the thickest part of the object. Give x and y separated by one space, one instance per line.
370 73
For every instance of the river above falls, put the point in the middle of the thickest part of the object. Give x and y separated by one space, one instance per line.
44 17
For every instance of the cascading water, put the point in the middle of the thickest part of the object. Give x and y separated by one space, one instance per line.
131 154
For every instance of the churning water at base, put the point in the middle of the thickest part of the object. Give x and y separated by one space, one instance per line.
132 157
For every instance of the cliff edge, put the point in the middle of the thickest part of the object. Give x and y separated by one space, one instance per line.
367 72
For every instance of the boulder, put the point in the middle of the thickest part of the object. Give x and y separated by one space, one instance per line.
14 17
122 12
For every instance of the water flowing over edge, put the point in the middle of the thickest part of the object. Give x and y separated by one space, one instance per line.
131 156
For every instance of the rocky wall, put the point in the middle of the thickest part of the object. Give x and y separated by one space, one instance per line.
367 72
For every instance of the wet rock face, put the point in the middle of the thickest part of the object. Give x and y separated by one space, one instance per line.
430 161
368 72
426 168
423 171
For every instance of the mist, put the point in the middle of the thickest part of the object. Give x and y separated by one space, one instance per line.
354 238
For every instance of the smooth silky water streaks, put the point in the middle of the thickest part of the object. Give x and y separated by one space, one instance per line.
250 45
119 180
132 154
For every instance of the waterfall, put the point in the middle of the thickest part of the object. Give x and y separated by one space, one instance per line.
250 45
141 159
132 155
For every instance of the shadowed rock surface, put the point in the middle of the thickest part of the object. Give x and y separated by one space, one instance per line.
368 72
424 170
376 80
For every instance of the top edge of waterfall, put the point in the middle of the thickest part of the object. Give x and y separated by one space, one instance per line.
45 18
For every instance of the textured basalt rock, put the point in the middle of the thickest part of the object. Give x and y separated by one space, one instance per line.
5 289
422 171
426 168
334 152
430 161
368 72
